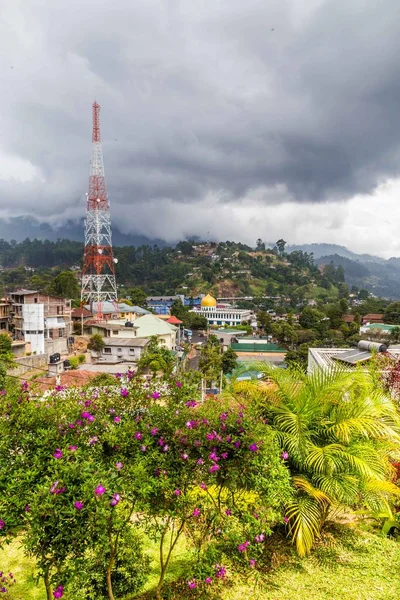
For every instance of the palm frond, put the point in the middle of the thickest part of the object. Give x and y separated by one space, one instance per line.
304 514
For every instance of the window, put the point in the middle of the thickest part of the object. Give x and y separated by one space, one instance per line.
119 349
35 300
131 351
107 350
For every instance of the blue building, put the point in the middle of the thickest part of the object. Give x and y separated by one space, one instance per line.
162 304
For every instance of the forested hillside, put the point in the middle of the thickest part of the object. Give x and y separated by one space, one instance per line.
224 269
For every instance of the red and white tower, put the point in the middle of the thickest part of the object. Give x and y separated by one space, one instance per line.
98 276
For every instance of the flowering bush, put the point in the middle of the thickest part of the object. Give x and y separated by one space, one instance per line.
88 466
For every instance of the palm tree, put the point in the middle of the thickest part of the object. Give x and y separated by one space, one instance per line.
340 431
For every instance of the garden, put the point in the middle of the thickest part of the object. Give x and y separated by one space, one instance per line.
136 489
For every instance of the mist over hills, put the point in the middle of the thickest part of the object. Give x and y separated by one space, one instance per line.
373 273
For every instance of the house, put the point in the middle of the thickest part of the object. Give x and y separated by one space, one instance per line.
4 314
150 325
382 329
122 350
162 304
347 358
117 311
80 316
42 320
114 330
348 318
372 318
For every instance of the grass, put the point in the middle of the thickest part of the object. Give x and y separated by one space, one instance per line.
348 564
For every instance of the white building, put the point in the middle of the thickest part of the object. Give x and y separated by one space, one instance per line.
223 315
123 350
346 358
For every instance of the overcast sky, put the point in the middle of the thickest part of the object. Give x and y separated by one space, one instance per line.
241 118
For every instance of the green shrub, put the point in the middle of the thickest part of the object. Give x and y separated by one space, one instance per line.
75 361
128 576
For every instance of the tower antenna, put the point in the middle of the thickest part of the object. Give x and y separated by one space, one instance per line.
98 275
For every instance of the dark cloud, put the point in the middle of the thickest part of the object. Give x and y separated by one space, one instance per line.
298 100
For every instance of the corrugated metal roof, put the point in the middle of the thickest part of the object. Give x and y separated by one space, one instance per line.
126 342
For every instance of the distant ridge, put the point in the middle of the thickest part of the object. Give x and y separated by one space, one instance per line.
20 228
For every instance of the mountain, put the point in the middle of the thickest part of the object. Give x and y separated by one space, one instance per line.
20 228
320 250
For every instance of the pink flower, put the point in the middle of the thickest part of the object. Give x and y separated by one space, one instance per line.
93 440
78 505
200 461
285 455
237 444
192 584
191 403
228 512
143 448
203 485
115 499
243 547
184 456
59 592
253 448
208 580
177 492
119 466
166 448
220 571
155 395
252 562
2 524
213 468
178 384
72 448
58 453
286 519
196 512
224 455
211 436
213 456
117 419
99 491
138 435
154 431
124 392
260 538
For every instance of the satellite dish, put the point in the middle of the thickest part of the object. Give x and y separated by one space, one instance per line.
115 260
100 251
98 200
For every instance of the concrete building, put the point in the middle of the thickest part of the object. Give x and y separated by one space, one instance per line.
118 311
4 314
162 304
222 314
43 321
149 326
143 327
346 358
123 350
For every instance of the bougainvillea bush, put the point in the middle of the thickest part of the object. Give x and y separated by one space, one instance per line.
84 473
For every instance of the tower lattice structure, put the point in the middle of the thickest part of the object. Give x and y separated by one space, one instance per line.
98 276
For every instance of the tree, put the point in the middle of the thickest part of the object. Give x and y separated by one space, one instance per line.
229 361
138 297
210 363
66 285
310 318
260 245
264 321
156 358
178 310
96 343
392 313
337 443
280 244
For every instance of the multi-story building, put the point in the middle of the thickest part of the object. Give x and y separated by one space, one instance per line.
42 320
4 314
222 314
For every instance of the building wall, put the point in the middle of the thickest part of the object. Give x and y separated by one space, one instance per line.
124 352
224 316
26 364
33 326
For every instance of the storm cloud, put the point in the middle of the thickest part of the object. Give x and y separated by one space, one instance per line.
231 107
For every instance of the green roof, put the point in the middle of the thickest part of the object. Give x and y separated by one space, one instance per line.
382 326
254 347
